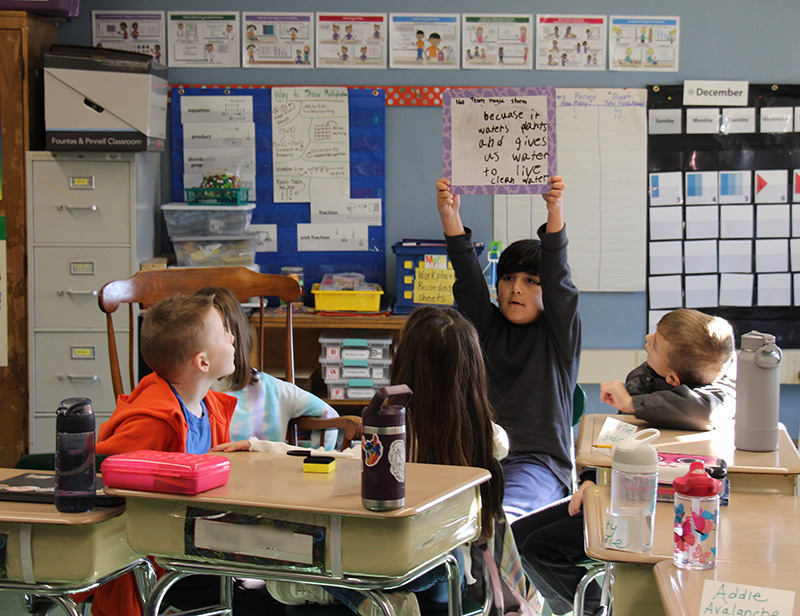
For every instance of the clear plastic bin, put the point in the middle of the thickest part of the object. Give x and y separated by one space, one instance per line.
355 344
185 220
215 251
355 389
335 370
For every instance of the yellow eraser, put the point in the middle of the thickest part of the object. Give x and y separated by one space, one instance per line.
319 464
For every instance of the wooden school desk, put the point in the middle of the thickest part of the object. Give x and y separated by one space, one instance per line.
751 471
51 554
681 590
755 529
268 494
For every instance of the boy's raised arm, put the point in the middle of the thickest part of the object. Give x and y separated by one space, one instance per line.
448 205
555 204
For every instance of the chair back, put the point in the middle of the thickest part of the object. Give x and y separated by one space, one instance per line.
149 287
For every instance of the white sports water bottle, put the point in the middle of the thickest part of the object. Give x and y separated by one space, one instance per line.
757 393
634 481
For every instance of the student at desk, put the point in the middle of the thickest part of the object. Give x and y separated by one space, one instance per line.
445 425
532 345
684 384
265 405
185 342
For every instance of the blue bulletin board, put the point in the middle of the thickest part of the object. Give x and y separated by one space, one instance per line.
367 124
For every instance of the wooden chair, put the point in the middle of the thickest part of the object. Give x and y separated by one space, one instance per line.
149 287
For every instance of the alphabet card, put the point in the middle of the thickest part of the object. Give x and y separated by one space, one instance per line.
499 140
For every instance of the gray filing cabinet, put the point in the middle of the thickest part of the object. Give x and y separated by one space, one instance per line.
92 218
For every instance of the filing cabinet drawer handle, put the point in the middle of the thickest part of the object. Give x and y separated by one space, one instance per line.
74 208
76 377
64 292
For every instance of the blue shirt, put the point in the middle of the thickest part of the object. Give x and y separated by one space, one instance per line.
198 435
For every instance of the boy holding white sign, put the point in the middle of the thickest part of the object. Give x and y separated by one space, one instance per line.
684 385
532 346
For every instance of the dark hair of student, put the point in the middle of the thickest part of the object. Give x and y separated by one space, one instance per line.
521 256
237 324
449 416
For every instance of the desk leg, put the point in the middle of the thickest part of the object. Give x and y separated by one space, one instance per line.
43 604
634 591
145 574
453 586
169 578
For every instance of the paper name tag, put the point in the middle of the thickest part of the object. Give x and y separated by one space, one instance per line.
613 431
728 598
626 534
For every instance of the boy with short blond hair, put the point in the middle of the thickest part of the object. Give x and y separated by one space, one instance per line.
683 384
185 343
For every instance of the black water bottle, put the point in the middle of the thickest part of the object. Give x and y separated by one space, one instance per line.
383 445
76 479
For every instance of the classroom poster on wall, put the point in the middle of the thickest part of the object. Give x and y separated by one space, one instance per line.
278 40
351 40
139 31
279 224
494 41
643 43
429 41
499 140
219 138
602 157
203 40
310 144
571 42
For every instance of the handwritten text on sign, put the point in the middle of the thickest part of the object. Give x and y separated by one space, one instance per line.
433 286
499 140
729 599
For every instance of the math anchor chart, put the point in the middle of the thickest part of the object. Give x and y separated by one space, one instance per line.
499 140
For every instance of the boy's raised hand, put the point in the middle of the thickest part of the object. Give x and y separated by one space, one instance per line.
555 204
615 394
448 205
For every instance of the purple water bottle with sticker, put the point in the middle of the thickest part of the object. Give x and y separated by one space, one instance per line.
383 450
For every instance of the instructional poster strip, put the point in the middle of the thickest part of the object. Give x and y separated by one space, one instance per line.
571 42
139 31
209 39
499 140
643 43
351 40
424 40
497 41
277 40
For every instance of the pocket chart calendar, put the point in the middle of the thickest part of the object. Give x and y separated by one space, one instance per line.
724 209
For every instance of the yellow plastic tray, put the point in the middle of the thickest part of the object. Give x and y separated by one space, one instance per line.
355 301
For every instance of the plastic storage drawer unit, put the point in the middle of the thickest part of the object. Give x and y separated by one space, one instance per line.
335 370
355 344
165 471
215 250
354 389
187 220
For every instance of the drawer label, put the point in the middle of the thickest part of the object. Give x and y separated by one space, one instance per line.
81 182
81 268
82 352
239 537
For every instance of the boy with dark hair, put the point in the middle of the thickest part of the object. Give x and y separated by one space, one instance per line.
683 385
532 347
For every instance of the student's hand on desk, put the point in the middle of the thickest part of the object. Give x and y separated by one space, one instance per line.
615 394
576 501
235 446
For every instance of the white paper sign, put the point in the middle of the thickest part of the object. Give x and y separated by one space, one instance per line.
333 237
614 431
216 109
730 598
364 211
267 237
310 144
254 540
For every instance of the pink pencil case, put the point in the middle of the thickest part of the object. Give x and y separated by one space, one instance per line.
165 471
